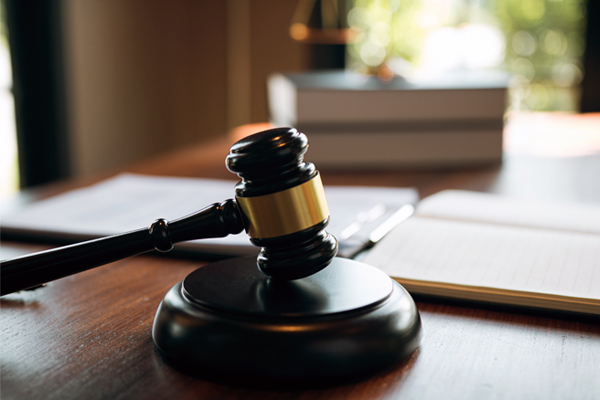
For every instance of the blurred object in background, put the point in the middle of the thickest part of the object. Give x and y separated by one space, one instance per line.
590 94
540 42
35 34
322 25
100 85
454 118
552 134
9 171
320 21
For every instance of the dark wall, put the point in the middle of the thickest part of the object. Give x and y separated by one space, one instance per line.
34 29
590 86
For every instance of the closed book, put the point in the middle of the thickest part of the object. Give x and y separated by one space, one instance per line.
353 120
406 148
345 97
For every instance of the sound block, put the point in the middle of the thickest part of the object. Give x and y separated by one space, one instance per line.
229 318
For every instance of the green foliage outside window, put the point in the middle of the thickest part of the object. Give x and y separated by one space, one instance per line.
540 42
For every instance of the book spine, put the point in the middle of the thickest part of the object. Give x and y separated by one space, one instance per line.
405 149
314 106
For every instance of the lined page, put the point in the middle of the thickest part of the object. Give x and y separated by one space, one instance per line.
490 208
491 256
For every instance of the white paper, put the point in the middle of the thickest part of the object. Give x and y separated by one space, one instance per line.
492 248
464 205
473 254
129 202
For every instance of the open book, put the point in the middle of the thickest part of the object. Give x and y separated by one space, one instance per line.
129 201
488 248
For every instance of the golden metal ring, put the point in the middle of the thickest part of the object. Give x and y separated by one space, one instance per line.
285 212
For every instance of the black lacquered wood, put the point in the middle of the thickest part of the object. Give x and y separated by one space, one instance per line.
297 255
217 220
272 161
234 286
268 162
229 319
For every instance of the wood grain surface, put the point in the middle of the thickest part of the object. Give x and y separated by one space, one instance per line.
88 336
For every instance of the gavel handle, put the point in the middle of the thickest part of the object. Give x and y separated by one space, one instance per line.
216 220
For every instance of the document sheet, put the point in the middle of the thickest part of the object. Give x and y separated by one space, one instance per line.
484 247
129 201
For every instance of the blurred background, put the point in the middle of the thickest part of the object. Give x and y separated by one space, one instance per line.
90 86
541 42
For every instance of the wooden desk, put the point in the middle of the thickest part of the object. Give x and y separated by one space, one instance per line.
88 336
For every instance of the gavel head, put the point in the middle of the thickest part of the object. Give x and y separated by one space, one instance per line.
283 202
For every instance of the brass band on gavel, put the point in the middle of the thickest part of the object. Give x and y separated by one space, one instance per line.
285 212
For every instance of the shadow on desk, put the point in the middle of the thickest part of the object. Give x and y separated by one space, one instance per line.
395 373
507 313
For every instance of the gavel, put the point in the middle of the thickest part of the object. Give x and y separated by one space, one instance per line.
280 202
302 314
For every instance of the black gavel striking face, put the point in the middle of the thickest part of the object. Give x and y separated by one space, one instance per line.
283 203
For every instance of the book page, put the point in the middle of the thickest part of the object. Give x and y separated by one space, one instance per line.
129 201
494 209
490 256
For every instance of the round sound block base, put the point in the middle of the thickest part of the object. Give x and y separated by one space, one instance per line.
229 318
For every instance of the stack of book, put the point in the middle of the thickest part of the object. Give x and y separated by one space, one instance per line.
353 120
